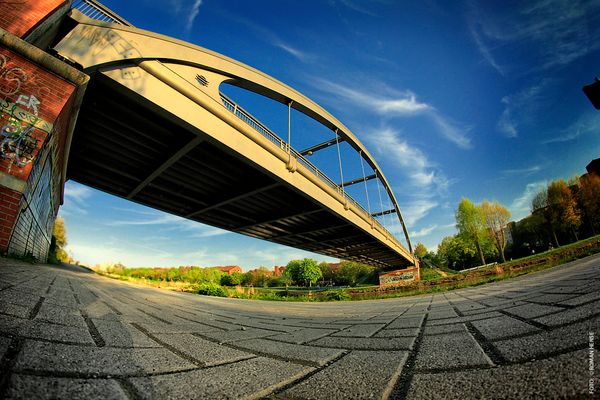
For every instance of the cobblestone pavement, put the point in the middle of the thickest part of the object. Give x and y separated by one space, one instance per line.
67 333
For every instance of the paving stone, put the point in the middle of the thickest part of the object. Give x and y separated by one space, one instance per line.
316 356
532 310
360 330
468 318
583 298
558 378
374 343
450 351
62 358
302 335
571 315
407 322
502 327
442 329
441 314
16 310
44 330
403 332
122 334
206 352
187 327
373 373
15 296
550 298
254 378
547 343
4 344
235 336
37 387
60 315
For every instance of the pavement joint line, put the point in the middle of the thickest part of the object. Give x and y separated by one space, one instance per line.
198 322
97 375
8 362
155 317
316 370
128 389
387 324
112 308
96 336
168 346
36 309
487 347
527 321
77 299
50 285
253 327
402 385
260 353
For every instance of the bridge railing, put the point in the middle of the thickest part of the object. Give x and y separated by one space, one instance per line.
95 10
272 136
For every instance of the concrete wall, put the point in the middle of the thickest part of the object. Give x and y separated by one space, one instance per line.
39 98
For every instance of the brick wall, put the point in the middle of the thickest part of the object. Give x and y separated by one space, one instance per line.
21 17
35 109
8 213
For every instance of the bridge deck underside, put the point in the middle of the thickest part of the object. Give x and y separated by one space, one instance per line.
125 146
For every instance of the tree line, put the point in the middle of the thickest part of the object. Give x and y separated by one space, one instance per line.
305 273
561 213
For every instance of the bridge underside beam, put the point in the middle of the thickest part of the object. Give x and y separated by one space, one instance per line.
135 149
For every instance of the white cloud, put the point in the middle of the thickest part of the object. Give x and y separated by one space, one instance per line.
423 231
588 123
421 174
555 32
192 14
76 198
396 104
519 107
521 206
401 103
523 171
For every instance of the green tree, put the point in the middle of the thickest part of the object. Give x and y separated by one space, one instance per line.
326 271
350 272
470 223
57 252
292 271
496 217
309 272
455 252
420 251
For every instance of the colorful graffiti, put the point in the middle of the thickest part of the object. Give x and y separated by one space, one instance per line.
22 131
397 277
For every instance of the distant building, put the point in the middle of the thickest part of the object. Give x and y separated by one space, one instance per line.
229 269
594 167
278 270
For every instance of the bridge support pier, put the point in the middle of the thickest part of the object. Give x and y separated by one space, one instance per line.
39 100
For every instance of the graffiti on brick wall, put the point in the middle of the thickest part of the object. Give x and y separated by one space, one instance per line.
397 278
19 120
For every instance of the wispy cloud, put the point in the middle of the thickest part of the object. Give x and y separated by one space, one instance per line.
588 123
423 232
556 32
396 103
521 206
193 13
77 199
422 175
169 222
523 171
519 107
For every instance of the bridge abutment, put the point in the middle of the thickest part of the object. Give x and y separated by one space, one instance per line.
39 100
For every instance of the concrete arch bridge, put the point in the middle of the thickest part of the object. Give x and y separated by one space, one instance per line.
155 128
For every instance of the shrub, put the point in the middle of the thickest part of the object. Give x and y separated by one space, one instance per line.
211 289
338 295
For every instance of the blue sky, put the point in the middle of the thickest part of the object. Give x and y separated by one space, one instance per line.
476 99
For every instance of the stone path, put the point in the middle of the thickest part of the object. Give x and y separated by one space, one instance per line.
67 333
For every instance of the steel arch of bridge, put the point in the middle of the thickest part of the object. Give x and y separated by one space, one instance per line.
128 54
